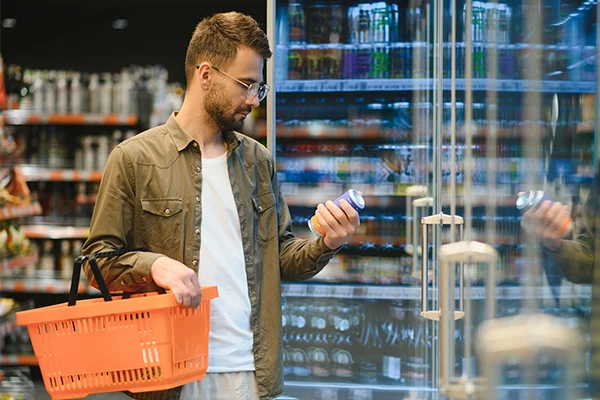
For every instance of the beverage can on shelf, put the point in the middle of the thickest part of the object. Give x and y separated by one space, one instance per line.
351 196
296 22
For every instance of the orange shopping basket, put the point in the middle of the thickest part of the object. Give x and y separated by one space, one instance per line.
138 343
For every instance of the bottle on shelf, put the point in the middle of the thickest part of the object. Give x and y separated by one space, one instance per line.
66 260
76 94
46 263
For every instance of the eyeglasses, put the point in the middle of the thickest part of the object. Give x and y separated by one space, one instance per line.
253 90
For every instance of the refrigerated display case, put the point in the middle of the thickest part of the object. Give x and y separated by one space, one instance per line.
444 110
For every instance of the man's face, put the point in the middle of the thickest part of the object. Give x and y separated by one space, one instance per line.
226 103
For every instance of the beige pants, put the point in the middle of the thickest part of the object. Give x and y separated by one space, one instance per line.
222 386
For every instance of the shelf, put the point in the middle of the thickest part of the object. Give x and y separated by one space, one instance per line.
11 212
29 360
357 386
37 174
417 44
325 131
19 262
386 292
23 117
389 85
41 285
55 232
380 194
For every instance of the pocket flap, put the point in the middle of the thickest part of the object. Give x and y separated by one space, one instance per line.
162 207
263 202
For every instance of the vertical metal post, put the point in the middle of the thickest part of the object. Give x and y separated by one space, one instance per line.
271 97
597 113
468 121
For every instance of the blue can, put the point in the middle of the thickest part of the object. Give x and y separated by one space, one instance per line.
530 199
351 196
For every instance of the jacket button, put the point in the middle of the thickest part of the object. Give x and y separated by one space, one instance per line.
168 212
197 231
144 279
197 169
195 144
197 199
194 263
260 208
122 283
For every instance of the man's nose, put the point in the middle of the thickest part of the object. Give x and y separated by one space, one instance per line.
252 101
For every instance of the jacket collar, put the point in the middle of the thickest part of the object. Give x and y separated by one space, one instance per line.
182 139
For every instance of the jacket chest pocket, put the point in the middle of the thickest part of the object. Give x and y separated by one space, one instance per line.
265 216
162 221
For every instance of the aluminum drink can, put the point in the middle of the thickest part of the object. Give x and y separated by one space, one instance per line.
530 199
351 196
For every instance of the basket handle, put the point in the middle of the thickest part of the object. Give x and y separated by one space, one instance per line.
96 271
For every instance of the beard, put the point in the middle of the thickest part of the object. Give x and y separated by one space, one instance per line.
221 111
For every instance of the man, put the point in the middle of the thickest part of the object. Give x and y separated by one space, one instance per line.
206 203
575 259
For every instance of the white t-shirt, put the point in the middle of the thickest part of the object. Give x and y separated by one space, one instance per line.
222 264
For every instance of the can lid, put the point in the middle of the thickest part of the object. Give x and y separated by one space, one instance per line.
524 200
357 198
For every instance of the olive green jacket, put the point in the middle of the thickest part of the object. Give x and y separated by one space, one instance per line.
578 259
150 196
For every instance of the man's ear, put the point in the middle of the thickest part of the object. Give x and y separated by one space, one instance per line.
204 75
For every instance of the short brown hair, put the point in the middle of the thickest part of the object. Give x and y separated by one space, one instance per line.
217 38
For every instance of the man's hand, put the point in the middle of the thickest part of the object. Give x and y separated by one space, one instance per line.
338 223
549 221
178 278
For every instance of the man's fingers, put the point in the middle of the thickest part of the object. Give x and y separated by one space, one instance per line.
337 212
561 222
322 220
198 288
351 213
331 220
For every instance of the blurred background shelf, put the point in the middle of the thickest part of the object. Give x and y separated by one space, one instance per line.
11 212
23 117
56 232
34 174
379 85
18 262
390 292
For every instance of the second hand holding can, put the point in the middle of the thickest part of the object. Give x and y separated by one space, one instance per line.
533 199
351 196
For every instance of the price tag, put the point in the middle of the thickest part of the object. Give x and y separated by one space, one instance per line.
352 86
362 394
554 87
390 85
295 290
285 86
331 86
321 291
375 292
312 86
375 85
327 394
507 86
343 292
479 84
